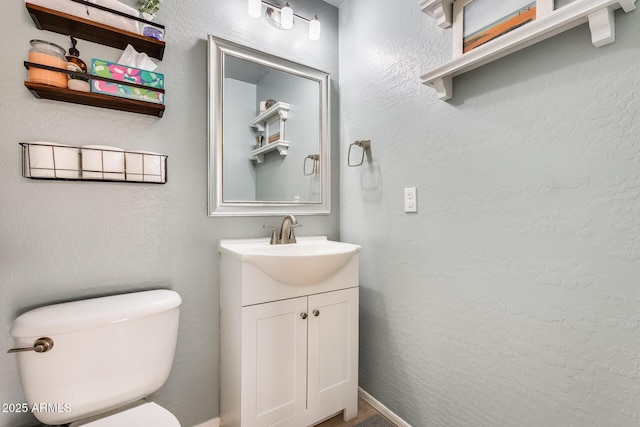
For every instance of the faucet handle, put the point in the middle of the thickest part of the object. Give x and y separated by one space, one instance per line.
292 234
274 234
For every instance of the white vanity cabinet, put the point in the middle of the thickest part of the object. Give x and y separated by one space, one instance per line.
287 360
297 351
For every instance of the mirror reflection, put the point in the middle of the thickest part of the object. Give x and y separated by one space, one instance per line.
270 124
269 134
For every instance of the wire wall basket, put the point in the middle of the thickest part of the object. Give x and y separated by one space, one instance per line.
48 160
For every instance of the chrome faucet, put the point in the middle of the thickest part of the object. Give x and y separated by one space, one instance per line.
286 230
287 234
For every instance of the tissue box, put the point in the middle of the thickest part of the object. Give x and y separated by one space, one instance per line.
126 74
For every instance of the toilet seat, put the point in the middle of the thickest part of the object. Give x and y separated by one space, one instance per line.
142 414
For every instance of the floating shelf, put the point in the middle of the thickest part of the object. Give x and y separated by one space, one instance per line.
62 23
44 91
280 145
598 13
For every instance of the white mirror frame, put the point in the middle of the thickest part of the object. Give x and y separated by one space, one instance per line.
217 49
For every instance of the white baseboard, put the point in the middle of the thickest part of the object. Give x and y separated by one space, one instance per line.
382 409
213 422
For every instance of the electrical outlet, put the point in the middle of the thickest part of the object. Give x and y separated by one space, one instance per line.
410 199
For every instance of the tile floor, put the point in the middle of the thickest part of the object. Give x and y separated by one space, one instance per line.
364 411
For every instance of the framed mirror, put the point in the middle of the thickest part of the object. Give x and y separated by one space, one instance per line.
267 116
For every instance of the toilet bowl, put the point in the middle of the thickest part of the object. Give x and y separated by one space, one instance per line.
136 415
101 358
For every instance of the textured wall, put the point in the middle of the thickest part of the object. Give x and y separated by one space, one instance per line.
69 240
511 298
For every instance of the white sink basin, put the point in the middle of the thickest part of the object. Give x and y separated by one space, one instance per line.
310 261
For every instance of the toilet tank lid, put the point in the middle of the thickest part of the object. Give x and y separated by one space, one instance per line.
93 313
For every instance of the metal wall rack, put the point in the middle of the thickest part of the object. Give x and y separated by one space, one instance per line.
49 161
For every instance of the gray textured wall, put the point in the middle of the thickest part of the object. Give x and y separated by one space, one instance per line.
511 298
68 240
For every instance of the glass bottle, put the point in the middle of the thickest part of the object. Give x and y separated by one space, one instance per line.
74 63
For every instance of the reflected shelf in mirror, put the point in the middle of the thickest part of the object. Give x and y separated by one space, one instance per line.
281 109
280 145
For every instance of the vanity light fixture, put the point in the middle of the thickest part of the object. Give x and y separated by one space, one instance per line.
286 17
283 17
314 28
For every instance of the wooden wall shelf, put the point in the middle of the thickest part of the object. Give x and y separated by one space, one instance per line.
62 23
600 14
43 91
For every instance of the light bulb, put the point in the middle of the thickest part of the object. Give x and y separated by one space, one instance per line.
314 28
255 8
286 17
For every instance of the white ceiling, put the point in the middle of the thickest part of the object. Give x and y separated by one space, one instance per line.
336 3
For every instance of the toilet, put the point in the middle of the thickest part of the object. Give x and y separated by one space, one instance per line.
91 363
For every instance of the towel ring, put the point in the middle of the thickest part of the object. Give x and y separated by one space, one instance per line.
315 158
365 145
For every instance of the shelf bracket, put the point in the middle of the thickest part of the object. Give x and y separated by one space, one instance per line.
603 27
444 88
260 157
280 145
440 10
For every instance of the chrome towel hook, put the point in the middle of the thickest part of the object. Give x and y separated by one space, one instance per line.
363 145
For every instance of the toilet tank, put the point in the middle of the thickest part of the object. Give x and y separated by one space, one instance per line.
107 352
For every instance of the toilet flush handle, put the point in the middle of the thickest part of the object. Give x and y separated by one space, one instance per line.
42 345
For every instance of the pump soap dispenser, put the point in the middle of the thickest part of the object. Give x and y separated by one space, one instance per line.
74 63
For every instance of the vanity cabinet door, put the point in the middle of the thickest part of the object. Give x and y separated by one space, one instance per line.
333 344
274 361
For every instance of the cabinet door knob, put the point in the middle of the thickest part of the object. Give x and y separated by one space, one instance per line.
316 313
303 315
